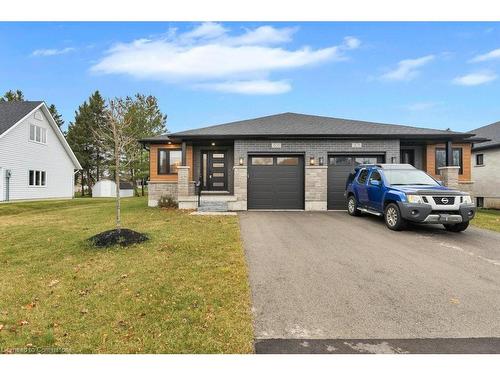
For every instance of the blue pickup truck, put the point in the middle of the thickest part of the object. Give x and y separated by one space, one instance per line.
402 193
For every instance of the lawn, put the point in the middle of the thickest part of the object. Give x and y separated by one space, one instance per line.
183 291
487 219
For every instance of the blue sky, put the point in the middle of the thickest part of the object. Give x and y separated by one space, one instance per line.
440 75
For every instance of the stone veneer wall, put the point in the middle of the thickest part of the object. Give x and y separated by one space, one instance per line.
157 189
316 188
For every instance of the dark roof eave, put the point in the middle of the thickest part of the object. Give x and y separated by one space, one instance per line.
486 147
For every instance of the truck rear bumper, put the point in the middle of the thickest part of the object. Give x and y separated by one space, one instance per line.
422 213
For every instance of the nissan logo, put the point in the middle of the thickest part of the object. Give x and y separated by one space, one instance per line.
444 200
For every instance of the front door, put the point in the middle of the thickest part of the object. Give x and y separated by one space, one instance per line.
214 170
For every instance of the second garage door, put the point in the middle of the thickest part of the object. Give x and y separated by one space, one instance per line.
276 182
339 167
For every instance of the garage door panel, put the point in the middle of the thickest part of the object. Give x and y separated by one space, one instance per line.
276 186
339 167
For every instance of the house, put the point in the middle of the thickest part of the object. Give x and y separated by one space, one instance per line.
36 162
486 166
294 161
107 188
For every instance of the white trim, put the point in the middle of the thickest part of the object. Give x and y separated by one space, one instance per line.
56 129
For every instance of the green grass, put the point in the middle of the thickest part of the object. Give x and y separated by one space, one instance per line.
487 219
183 291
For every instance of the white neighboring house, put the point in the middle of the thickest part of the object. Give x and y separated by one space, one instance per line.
36 162
107 188
486 166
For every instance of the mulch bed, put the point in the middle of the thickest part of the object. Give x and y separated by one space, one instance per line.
122 237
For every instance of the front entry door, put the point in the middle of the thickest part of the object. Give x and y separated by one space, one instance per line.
214 170
408 156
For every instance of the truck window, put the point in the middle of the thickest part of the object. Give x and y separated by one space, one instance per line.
375 176
363 176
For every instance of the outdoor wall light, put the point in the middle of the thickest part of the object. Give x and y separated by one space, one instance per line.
213 143
311 160
241 161
169 142
321 160
393 159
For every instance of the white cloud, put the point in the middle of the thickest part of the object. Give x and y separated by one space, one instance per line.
256 87
407 69
492 55
351 42
421 106
475 79
52 51
212 57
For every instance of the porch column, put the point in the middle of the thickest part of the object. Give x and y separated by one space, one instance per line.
184 154
449 176
449 153
183 180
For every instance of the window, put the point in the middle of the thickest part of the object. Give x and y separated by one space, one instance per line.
441 159
38 134
479 159
363 176
480 202
262 161
287 161
37 178
375 176
169 160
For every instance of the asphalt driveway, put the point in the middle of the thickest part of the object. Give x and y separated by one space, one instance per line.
330 276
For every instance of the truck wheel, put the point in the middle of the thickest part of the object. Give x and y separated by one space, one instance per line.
456 227
352 206
393 218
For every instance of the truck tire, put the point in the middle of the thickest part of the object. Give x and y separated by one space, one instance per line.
460 227
393 218
352 206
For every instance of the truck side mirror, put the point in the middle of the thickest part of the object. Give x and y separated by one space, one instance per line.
375 183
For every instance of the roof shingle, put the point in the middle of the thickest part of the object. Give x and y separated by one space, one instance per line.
295 124
12 112
492 132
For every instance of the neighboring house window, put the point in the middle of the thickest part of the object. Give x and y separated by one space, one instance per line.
362 176
37 178
38 134
479 202
479 159
441 159
169 160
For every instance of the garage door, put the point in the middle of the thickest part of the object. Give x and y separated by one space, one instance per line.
339 167
276 182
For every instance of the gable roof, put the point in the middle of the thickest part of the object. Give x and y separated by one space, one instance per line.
492 132
12 112
296 125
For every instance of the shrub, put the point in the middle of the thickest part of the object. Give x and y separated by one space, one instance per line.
166 201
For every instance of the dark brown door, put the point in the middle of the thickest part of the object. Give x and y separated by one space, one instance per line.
214 170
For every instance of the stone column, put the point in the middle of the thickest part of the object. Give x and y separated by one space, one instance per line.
240 188
449 176
316 188
183 180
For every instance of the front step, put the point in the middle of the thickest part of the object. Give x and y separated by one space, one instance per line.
213 206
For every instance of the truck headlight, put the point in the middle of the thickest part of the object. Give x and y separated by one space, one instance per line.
466 199
414 198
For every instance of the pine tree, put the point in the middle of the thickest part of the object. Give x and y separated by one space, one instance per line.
56 115
12 96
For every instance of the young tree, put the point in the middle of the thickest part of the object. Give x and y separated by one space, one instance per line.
117 134
12 96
